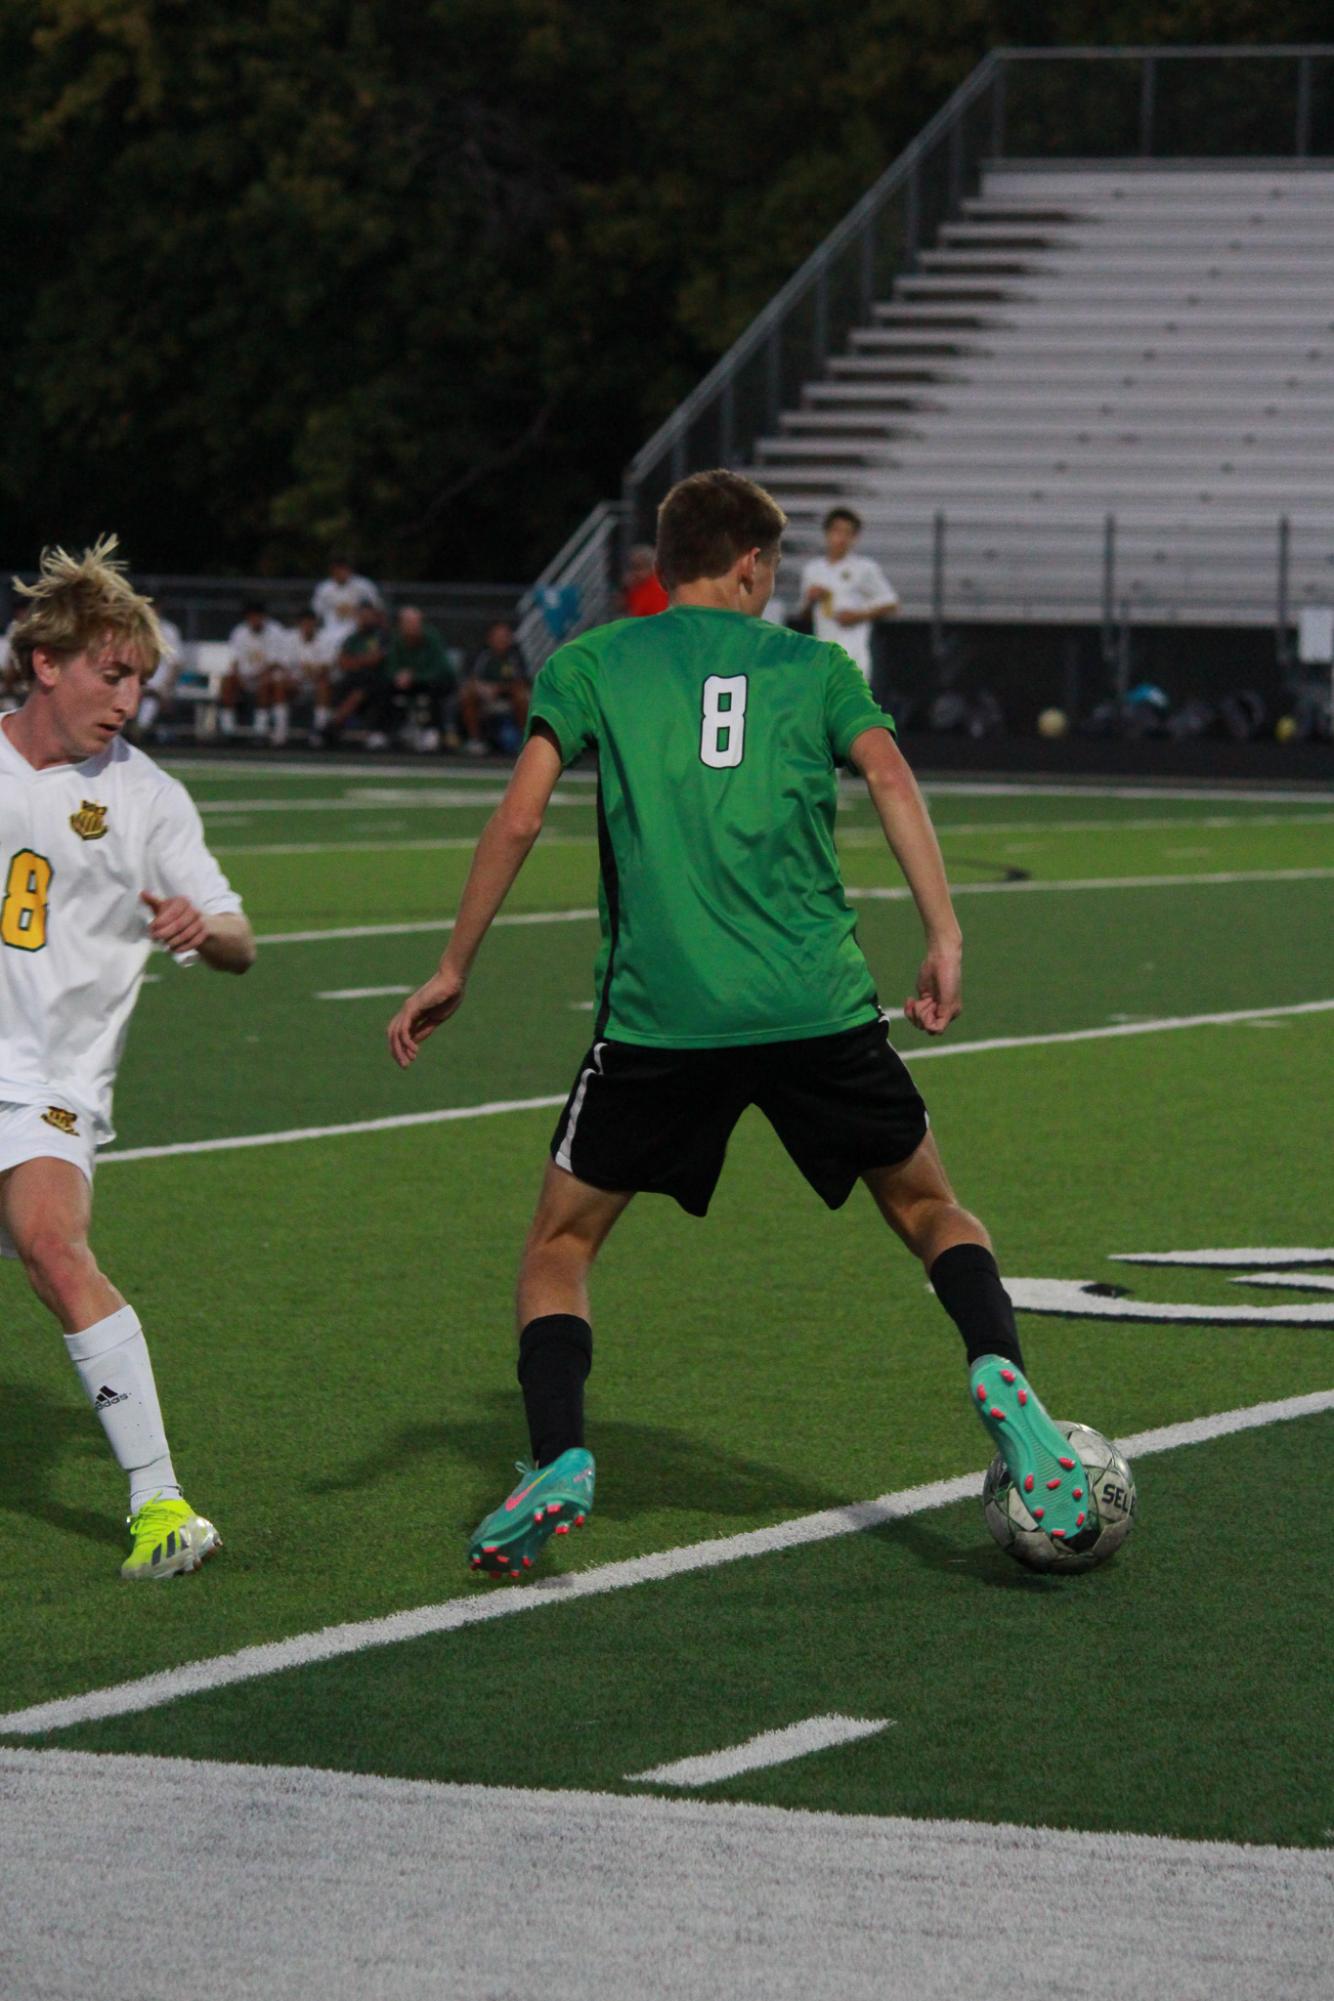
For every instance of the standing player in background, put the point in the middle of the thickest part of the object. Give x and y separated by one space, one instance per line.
848 593
102 856
730 975
336 600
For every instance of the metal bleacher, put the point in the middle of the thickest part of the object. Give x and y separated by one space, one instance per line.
1071 357
1151 343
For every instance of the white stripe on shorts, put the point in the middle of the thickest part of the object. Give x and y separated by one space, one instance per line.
563 1157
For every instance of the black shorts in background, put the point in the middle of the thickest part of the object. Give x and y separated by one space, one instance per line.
657 1121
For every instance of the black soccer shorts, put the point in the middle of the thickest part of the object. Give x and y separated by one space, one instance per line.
657 1121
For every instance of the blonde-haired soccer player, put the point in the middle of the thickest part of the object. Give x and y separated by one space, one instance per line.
102 856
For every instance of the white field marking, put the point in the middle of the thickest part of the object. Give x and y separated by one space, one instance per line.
368 774
364 802
360 993
898 893
1222 1259
420 925
1214 822
463 842
495 1107
946 788
332 1642
770 1747
349 1885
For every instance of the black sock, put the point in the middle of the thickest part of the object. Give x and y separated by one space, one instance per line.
968 1285
555 1356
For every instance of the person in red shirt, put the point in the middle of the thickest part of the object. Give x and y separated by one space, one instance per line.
641 592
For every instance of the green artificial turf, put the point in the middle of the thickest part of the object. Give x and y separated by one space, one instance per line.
330 1323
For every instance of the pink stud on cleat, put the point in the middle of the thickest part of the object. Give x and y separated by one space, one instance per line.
981 1392
1051 1484
488 1549
554 1507
562 1528
1068 1464
528 1561
1007 1375
1038 1513
1023 1396
579 1521
1078 1493
1028 1483
1058 1535
1079 1521
538 1515
996 1411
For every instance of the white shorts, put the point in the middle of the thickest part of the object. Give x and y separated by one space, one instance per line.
43 1132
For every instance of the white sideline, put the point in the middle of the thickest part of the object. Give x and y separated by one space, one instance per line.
756 1754
895 893
496 1602
345 1886
492 1109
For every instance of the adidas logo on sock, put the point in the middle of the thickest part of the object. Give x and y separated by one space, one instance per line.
106 1396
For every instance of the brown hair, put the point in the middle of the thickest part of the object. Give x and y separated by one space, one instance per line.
80 602
709 521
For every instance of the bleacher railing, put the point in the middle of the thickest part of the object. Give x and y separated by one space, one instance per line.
1156 103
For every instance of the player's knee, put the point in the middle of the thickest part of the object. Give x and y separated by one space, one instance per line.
56 1263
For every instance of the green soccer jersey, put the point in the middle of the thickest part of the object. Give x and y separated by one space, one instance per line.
724 917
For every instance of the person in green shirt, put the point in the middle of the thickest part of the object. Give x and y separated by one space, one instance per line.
729 975
420 674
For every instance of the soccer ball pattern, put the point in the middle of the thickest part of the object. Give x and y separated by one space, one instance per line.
1111 1487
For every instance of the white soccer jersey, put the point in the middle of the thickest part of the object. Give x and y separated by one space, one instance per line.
855 584
163 677
335 604
254 651
306 659
78 842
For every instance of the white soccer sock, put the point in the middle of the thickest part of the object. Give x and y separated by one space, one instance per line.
279 725
227 720
148 710
322 714
111 1357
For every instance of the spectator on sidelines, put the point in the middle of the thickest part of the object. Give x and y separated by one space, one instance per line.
493 701
641 592
311 650
848 592
358 683
258 672
12 685
421 676
160 687
337 598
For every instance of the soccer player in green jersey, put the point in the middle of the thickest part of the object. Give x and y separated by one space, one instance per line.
729 975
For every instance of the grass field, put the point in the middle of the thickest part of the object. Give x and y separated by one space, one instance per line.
330 1321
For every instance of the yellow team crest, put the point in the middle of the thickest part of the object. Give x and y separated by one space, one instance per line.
90 822
63 1121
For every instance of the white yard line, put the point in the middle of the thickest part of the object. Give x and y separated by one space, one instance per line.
463 842
770 1747
897 893
511 1601
345 1886
360 993
495 1107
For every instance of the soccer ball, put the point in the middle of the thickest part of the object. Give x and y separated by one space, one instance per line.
1111 1489
1052 722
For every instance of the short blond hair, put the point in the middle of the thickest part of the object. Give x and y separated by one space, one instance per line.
81 602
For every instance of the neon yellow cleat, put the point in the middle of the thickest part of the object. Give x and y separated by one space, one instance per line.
169 1538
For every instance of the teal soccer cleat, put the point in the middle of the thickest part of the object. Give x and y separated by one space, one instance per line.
549 1500
1043 1468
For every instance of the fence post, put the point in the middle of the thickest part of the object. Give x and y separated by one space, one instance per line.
937 584
912 217
1282 639
820 327
1109 588
1147 79
998 111
1302 145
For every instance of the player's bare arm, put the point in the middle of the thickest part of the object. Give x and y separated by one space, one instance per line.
224 940
907 826
504 847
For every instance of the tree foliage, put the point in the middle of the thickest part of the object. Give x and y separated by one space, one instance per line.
420 277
